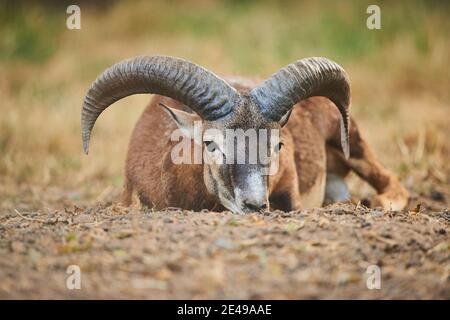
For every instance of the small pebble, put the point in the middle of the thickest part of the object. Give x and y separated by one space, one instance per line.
83 218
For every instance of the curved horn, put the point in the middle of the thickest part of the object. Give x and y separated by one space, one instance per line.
300 80
204 92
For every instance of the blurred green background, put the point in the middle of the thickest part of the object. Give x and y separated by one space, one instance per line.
399 74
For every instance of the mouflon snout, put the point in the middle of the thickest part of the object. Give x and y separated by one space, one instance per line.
251 192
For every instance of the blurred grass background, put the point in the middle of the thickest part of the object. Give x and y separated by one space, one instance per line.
400 77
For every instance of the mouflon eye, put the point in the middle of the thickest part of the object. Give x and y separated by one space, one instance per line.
211 146
278 147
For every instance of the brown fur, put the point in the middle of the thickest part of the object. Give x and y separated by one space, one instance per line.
311 149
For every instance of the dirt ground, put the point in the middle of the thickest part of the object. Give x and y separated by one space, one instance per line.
139 253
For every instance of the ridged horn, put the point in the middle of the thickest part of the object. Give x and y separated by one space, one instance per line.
204 92
303 79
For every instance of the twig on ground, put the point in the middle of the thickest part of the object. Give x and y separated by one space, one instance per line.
28 218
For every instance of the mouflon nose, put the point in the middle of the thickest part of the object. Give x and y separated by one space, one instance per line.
255 206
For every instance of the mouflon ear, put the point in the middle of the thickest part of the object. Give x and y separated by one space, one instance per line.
185 122
284 119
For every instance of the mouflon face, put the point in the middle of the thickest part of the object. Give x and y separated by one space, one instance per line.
240 153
